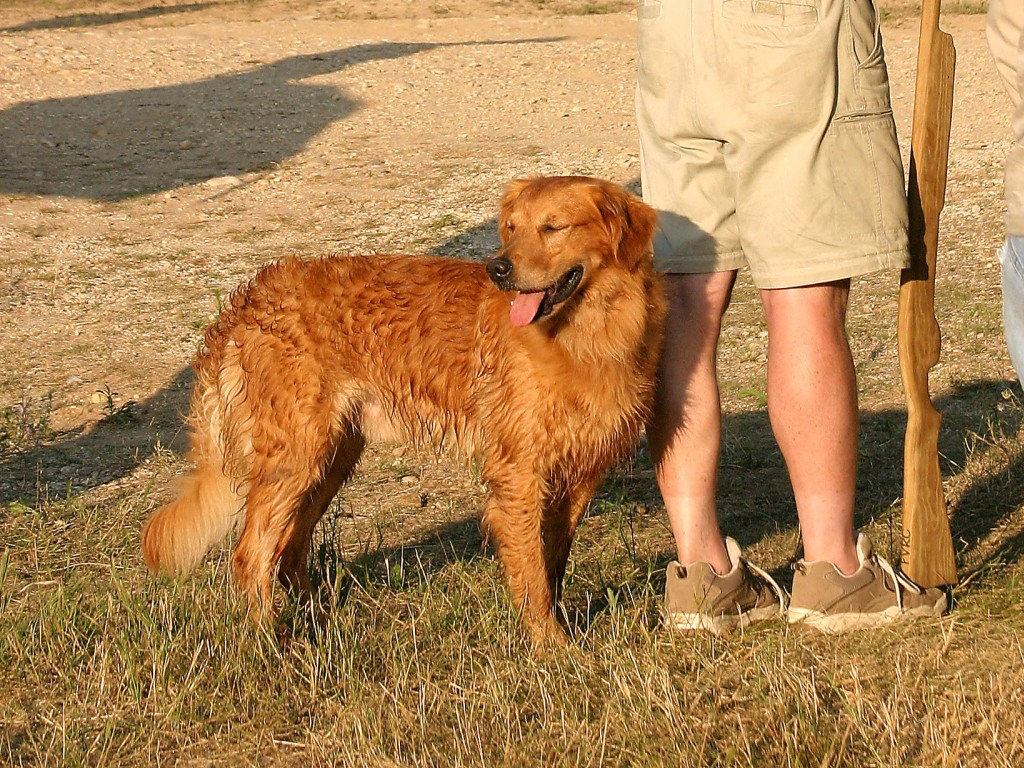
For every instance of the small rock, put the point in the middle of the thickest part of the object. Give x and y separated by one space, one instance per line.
223 182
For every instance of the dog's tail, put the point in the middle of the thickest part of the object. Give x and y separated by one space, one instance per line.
177 536
209 506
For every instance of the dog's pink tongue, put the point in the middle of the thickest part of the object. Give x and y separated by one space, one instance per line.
524 307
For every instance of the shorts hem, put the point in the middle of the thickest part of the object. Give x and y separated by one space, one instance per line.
814 274
699 263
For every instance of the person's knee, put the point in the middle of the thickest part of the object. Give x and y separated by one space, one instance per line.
807 309
699 298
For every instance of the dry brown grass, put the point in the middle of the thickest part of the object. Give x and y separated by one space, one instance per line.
422 662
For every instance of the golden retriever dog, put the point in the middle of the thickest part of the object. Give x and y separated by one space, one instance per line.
540 363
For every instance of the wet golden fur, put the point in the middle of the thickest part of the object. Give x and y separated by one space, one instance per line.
313 359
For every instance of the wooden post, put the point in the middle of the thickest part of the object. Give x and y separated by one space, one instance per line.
928 556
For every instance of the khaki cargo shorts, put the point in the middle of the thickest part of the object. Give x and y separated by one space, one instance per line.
767 139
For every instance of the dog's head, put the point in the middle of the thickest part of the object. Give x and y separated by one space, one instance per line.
558 232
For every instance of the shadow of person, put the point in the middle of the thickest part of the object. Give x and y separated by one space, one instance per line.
113 146
755 500
101 19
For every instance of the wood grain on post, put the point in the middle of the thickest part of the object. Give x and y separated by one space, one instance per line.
928 556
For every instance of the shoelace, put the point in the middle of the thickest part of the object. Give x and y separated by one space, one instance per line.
779 593
898 580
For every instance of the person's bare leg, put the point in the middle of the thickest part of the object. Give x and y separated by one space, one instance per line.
685 433
812 404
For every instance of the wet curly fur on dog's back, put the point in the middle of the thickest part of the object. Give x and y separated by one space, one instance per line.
312 359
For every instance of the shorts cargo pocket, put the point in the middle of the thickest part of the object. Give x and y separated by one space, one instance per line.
870 201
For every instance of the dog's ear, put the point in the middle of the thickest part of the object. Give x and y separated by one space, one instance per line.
512 193
631 225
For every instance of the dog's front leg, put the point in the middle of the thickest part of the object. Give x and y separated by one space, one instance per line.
513 520
561 517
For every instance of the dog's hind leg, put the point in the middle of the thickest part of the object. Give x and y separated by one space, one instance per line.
269 506
293 546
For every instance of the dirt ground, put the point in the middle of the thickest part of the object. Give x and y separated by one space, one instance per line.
152 155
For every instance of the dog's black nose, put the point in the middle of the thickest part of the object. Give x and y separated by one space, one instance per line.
500 269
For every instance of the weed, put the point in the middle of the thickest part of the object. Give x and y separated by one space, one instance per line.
445 221
25 425
113 414
5 564
756 394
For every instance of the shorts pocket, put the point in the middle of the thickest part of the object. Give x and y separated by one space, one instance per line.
780 60
769 20
867 59
658 50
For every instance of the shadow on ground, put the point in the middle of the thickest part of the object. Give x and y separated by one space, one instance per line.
74 20
114 146
756 496
101 452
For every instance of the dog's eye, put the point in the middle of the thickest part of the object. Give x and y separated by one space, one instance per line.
549 227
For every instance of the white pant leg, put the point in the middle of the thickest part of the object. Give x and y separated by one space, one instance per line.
1011 257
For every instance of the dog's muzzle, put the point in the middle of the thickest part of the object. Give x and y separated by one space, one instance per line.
528 306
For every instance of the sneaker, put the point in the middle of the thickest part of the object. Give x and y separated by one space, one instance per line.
699 599
875 594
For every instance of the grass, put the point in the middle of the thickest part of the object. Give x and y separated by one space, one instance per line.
430 669
25 424
421 660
